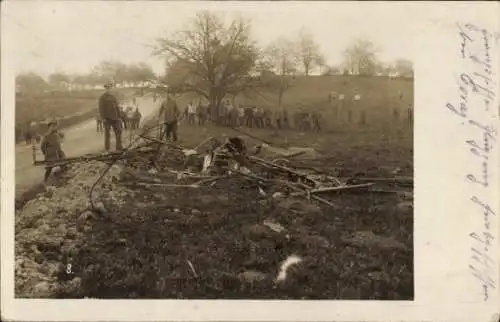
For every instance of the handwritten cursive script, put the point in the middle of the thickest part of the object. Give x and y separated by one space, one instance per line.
474 109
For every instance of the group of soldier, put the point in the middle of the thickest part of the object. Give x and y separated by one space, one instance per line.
130 119
197 113
114 118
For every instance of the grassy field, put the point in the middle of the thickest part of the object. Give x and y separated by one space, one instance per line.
380 98
70 107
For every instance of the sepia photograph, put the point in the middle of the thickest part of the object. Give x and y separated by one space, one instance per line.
169 152
249 161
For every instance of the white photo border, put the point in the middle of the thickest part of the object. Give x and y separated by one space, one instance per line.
445 289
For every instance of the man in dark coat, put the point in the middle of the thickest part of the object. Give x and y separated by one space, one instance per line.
51 147
110 115
136 119
170 111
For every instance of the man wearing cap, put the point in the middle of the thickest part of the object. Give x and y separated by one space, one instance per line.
170 112
111 118
51 147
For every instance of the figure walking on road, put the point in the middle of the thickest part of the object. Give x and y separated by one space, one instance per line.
111 118
51 148
171 114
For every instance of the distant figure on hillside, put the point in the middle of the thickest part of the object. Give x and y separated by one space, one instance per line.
170 111
51 148
111 118
134 100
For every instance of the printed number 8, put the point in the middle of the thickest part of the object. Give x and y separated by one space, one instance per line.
68 269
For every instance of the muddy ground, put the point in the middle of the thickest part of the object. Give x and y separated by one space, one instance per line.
212 242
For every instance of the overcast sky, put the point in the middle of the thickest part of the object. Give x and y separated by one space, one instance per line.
74 36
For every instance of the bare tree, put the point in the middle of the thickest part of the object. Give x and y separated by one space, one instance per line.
30 82
360 58
403 67
211 58
58 80
139 73
308 52
283 61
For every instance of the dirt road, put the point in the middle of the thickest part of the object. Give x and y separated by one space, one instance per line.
78 140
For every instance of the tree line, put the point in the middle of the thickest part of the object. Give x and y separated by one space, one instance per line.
216 57
119 73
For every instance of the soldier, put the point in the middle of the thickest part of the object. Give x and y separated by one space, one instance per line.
316 119
257 115
241 115
134 100
229 110
51 148
136 118
170 111
222 114
267 118
286 125
277 119
201 110
110 115
233 116
191 113
249 116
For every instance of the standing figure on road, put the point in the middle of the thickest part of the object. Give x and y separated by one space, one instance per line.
136 119
171 114
51 148
111 118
